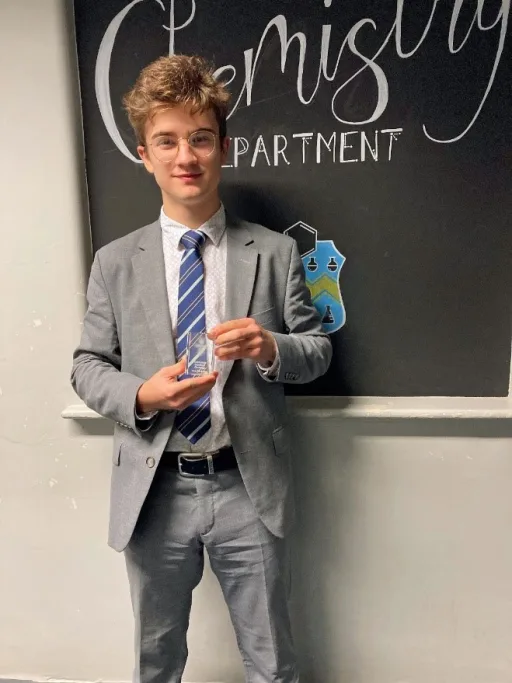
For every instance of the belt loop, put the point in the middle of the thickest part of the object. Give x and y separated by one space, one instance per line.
210 464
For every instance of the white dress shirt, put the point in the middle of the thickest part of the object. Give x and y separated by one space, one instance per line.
214 254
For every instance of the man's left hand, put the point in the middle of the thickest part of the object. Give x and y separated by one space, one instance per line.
243 338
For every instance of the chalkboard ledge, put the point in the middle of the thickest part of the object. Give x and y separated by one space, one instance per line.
404 407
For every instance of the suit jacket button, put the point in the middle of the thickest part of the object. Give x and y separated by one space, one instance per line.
150 462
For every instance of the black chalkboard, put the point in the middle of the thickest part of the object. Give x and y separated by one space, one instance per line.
376 131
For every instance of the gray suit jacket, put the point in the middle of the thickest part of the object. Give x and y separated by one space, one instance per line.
127 337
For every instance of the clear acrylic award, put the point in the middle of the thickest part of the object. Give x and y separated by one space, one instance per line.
199 355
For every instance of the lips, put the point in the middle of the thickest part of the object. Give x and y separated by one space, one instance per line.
188 176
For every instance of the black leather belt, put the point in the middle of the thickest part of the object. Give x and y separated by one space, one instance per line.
200 464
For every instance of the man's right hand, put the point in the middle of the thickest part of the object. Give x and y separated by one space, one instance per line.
164 392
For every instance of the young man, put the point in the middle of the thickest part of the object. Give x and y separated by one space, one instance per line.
198 462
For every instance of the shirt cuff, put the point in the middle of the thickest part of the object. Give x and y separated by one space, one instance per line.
271 373
146 416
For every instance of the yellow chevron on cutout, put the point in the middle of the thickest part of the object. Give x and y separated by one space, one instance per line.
327 284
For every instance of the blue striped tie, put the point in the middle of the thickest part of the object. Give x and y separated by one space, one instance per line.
194 421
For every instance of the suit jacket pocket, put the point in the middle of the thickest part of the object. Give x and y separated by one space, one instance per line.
281 441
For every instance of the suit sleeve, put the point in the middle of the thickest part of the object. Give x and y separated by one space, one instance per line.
305 351
96 375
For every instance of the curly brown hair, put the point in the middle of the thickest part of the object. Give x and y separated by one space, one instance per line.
171 81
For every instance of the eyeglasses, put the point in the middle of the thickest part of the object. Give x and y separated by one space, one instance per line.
201 142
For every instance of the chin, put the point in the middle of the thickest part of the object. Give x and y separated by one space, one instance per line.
191 197
193 193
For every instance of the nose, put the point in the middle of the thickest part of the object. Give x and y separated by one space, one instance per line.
184 153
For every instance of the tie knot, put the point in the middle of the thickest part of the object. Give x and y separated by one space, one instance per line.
193 239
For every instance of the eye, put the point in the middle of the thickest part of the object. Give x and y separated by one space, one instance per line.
202 139
165 143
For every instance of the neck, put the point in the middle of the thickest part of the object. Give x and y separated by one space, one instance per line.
191 216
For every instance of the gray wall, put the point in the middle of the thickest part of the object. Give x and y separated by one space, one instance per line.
402 554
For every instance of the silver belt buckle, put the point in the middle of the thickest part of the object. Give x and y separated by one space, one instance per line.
196 456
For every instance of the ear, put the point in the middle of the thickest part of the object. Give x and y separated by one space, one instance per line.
224 149
143 153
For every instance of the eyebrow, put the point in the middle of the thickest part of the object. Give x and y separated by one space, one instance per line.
172 134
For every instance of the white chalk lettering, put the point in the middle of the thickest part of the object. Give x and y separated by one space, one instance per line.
380 77
260 149
102 81
365 144
501 19
327 148
331 146
240 147
344 146
394 134
279 151
296 50
172 28
398 33
306 139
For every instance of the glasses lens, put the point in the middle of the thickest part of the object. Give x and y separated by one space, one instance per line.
202 142
165 148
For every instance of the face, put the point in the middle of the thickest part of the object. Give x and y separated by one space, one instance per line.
190 179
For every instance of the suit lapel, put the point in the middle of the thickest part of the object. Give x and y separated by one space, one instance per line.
241 265
149 268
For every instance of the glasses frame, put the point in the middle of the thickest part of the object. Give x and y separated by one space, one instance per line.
194 152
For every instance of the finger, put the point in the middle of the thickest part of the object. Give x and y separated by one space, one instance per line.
228 326
228 348
192 394
236 352
225 349
175 370
240 334
205 382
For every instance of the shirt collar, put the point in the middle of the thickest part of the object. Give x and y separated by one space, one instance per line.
213 228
